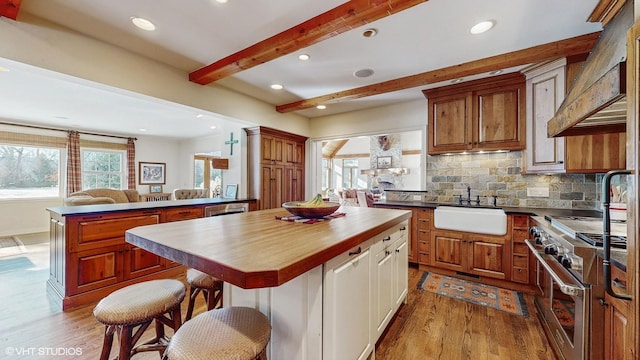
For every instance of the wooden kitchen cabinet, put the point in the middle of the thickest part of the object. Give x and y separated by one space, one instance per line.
485 114
424 219
546 87
275 166
521 260
616 318
477 254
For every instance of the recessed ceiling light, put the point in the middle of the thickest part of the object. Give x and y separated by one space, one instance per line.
363 73
482 26
212 127
143 24
277 87
199 116
4 69
495 72
142 130
222 1
459 80
369 33
304 57
321 107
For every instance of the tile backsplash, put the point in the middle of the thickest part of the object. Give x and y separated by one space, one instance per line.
500 174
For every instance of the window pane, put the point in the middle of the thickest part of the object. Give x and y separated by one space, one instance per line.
102 169
29 171
198 174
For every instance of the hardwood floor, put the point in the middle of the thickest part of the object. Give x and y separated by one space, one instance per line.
430 326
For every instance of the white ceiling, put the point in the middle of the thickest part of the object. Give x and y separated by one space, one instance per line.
194 33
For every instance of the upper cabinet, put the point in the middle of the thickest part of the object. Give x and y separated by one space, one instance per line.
545 92
546 86
486 114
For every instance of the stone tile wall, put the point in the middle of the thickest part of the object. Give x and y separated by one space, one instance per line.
500 174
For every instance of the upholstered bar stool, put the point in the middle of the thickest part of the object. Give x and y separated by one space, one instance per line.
238 333
129 312
209 286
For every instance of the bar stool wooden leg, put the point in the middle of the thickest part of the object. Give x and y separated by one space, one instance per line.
108 342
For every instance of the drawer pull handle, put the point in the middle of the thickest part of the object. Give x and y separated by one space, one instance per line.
386 238
351 253
403 228
620 285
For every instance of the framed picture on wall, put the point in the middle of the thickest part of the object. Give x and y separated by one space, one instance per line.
231 191
384 162
153 189
152 173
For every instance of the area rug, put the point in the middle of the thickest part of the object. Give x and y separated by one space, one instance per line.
481 294
10 246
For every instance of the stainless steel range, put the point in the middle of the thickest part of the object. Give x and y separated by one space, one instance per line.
567 276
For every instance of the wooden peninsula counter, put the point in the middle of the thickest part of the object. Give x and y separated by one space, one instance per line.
329 288
89 257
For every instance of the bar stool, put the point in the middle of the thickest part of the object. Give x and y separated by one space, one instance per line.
238 333
210 286
136 306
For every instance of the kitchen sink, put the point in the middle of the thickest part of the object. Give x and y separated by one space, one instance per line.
478 220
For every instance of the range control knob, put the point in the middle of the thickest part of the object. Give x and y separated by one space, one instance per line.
566 262
551 249
560 258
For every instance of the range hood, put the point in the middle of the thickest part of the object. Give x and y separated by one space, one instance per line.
596 103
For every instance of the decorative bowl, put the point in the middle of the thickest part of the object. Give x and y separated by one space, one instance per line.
311 212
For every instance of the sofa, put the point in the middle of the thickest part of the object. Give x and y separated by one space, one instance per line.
182 194
102 196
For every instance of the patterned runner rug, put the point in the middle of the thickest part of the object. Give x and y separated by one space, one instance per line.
481 294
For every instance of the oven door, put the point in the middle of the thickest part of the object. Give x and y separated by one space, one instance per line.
563 306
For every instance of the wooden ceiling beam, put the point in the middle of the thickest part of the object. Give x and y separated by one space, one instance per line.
10 8
572 46
345 17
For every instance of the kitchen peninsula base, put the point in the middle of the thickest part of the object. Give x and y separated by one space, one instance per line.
329 288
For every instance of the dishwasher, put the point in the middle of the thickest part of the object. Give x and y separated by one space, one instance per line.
225 209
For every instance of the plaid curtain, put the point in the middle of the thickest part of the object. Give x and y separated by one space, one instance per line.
131 163
74 171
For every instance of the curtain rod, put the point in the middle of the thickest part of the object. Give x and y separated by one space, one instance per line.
54 129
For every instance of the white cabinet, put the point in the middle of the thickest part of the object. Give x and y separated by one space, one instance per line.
545 89
391 276
348 305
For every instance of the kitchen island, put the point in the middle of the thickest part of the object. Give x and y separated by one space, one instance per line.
329 287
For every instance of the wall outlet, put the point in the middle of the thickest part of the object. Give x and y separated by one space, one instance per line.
417 197
538 192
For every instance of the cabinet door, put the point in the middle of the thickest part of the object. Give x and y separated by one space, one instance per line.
450 123
545 89
500 119
384 295
487 258
294 152
447 250
138 262
272 187
293 183
347 325
94 269
400 271
596 153
615 329
272 149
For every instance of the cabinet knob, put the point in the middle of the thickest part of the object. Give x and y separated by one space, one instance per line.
602 302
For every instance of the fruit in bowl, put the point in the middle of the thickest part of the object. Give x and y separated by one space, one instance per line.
314 208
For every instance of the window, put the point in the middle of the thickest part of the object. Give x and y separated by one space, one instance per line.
29 171
350 173
202 170
103 169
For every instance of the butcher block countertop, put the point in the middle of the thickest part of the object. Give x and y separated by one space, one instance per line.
255 249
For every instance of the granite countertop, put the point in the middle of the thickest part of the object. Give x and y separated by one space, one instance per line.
141 205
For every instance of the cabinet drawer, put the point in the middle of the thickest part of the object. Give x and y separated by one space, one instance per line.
520 235
619 280
521 221
105 232
520 275
424 235
520 249
424 258
424 246
424 214
424 224
183 213
520 261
